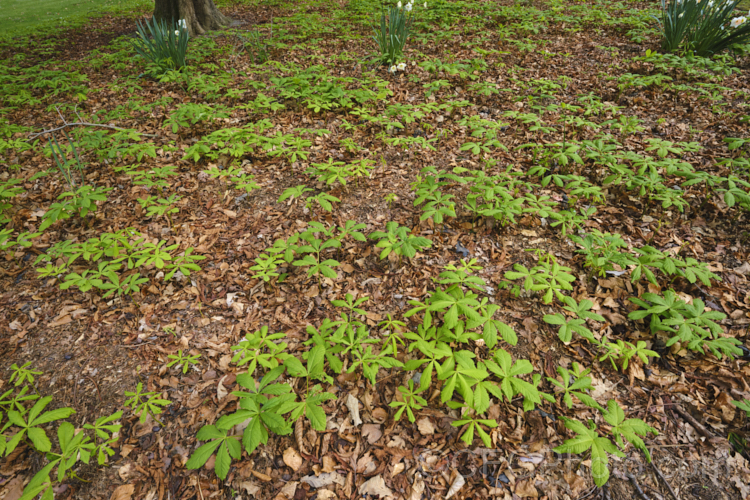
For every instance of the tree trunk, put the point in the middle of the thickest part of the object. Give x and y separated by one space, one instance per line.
200 15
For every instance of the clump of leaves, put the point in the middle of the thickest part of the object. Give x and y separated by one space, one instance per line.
630 430
22 374
144 404
397 239
163 44
393 32
260 349
575 383
547 277
703 28
580 312
691 324
411 401
183 362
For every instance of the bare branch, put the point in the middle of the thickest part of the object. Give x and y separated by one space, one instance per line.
664 480
84 124
61 116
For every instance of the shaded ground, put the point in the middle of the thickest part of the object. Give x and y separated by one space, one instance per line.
91 350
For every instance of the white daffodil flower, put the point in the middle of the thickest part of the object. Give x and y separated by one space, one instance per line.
737 21
425 5
401 66
182 24
393 69
176 32
408 7
398 4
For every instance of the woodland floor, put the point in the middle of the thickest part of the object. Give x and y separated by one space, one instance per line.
91 350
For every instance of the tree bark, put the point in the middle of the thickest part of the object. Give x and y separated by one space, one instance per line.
200 15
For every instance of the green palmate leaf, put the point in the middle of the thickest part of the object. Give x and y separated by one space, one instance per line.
315 362
316 416
204 452
510 382
41 482
576 388
631 429
589 439
461 375
472 425
31 425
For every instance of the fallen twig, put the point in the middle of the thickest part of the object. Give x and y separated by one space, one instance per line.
588 493
82 123
85 124
664 480
637 487
692 421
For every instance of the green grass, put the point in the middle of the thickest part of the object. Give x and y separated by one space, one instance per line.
18 17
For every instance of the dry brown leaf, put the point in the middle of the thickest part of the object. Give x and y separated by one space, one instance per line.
323 479
417 488
60 321
329 464
663 379
372 432
398 469
457 484
290 489
526 488
292 459
397 442
126 471
375 486
366 464
326 495
353 404
14 489
250 487
425 426
576 483
741 486
299 435
725 406
347 268
602 389
221 391
224 362
124 492
379 415
261 476
635 370
530 325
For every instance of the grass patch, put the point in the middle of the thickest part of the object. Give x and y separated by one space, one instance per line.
20 17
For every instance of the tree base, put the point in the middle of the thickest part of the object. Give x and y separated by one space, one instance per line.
200 15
